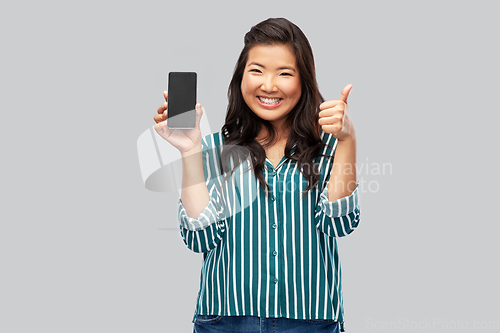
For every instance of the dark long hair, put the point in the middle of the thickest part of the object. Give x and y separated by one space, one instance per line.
242 126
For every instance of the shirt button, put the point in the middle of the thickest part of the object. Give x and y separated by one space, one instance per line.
274 226
275 280
275 253
273 198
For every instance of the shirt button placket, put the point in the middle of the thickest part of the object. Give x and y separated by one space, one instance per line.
280 246
274 225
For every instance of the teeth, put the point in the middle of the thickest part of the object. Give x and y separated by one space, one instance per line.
269 100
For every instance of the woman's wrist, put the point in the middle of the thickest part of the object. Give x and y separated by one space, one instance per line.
350 139
195 150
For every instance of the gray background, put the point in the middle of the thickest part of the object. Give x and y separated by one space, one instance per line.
84 247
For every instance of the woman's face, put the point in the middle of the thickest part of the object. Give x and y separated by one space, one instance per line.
271 82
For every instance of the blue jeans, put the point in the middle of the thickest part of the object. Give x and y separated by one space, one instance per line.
251 324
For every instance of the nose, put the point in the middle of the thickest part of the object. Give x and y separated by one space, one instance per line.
268 85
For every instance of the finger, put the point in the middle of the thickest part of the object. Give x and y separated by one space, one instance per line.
338 108
162 113
335 118
199 113
329 104
345 93
333 129
158 118
326 113
162 108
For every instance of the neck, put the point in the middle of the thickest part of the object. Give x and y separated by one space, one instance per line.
281 135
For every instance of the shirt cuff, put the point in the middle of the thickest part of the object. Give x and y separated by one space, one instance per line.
340 207
206 218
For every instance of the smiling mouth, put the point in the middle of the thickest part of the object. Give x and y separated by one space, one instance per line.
269 101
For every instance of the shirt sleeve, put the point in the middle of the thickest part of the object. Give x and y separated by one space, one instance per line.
203 233
337 218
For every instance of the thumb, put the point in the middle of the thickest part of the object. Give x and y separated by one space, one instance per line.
199 113
345 93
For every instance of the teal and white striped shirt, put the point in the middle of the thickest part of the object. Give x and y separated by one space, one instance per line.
273 256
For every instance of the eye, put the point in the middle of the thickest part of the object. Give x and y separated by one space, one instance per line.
286 74
255 70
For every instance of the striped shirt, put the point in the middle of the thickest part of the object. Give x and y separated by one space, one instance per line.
269 255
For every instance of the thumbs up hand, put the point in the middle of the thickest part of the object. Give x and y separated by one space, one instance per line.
334 117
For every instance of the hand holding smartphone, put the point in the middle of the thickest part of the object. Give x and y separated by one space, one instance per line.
181 100
181 112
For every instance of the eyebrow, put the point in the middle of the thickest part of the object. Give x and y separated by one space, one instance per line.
283 67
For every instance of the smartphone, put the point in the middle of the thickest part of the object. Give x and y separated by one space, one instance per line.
181 100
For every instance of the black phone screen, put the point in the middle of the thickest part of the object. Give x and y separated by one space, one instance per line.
181 100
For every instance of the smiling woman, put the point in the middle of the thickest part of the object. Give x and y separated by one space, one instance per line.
268 232
271 86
